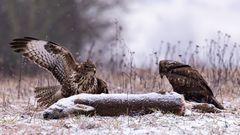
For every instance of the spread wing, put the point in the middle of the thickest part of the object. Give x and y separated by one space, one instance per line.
192 75
46 54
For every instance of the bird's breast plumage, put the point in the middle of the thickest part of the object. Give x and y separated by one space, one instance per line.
83 83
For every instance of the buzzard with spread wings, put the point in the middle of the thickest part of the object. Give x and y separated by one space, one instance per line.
187 81
74 77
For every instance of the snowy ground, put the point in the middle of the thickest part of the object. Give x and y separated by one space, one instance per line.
23 118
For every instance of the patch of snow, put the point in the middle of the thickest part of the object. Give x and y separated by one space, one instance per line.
16 118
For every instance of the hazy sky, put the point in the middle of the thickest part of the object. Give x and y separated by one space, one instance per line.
150 21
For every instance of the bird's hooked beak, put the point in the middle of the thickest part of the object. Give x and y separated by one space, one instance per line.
94 70
160 71
161 75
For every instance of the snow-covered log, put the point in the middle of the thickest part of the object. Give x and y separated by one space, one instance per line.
116 104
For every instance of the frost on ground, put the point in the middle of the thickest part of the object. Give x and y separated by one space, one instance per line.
21 117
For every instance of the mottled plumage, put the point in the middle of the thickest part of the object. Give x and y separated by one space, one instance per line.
187 81
74 78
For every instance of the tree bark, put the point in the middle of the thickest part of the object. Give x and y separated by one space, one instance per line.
116 104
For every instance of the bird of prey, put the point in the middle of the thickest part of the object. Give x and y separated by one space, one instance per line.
74 77
187 81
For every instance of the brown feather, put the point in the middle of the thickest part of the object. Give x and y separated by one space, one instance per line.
48 95
102 86
187 81
74 78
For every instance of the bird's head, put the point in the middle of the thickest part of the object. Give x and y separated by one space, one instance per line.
88 68
166 66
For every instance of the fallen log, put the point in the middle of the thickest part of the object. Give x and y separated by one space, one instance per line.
116 104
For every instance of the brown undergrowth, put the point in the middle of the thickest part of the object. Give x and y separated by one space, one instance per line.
220 68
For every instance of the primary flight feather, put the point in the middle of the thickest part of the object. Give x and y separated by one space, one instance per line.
74 77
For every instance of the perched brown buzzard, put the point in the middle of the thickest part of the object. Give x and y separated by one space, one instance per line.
187 81
74 78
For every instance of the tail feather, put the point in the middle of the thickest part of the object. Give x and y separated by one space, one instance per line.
46 91
214 101
48 95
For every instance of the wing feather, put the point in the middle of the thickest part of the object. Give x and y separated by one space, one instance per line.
102 86
49 55
193 74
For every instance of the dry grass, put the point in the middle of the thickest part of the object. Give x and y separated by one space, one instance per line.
19 114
